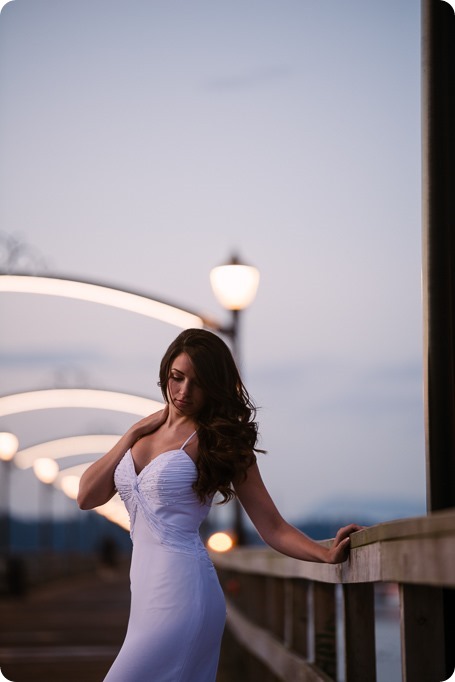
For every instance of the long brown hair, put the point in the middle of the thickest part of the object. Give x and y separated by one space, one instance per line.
227 432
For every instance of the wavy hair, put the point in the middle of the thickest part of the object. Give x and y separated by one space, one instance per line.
226 426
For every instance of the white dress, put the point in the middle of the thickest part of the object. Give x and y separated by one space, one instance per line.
178 609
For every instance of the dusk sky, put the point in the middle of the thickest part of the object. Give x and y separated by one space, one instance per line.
144 142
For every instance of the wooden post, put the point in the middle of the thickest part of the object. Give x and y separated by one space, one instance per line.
438 268
360 645
324 615
422 634
274 601
299 630
257 604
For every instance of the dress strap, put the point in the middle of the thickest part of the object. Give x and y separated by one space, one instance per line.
188 440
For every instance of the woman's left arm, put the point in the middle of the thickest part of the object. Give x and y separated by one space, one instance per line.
280 534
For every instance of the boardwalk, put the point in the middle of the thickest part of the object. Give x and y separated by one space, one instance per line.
71 630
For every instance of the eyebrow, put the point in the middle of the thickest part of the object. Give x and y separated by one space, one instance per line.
183 374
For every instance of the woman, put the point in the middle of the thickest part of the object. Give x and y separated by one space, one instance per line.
167 468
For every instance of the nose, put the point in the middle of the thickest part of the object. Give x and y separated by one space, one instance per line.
184 388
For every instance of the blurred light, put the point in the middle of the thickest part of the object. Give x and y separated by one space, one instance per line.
95 293
235 285
220 542
115 511
78 397
8 445
75 471
66 447
68 482
46 469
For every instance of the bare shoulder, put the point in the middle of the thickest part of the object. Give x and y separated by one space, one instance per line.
192 447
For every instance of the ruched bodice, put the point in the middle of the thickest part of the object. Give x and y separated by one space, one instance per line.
175 594
163 491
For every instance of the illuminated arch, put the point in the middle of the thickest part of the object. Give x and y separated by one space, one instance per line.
65 447
67 480
18 403
99 293
77 398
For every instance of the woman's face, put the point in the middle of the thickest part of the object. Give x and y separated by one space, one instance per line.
183 388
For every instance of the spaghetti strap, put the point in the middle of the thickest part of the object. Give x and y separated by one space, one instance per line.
188 440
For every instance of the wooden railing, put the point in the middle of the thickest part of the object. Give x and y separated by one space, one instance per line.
284 612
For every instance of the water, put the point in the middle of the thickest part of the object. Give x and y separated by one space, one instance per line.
388 653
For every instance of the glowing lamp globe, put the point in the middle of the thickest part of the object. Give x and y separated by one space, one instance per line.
235 285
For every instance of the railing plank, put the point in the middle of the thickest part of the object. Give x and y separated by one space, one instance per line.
422 552
425 560
360 645
422 635
437 523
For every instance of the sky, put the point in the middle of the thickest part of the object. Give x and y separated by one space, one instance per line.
143 143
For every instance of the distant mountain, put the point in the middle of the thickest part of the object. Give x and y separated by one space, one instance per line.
366 510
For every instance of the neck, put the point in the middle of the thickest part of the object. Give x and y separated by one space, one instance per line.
177 420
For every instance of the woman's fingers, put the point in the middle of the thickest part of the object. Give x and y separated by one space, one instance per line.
342 542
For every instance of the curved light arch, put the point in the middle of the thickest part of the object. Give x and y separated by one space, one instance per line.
89 398
99 293
66 447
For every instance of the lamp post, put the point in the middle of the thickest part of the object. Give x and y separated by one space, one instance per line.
8 448
235 285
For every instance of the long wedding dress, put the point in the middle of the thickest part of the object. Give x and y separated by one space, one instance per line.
178 610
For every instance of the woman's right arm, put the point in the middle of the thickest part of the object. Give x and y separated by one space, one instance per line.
96 486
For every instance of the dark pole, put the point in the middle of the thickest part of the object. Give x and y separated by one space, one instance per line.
438 215
438 276
5 522
46 521
239 521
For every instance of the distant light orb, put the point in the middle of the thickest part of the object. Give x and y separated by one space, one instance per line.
70 486
46 469
8 445
220 542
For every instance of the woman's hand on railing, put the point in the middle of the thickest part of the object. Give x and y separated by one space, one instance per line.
339 551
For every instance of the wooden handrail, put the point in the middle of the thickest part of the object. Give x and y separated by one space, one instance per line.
267 612
418 550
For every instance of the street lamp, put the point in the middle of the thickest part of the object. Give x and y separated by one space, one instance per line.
235 285
8 448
